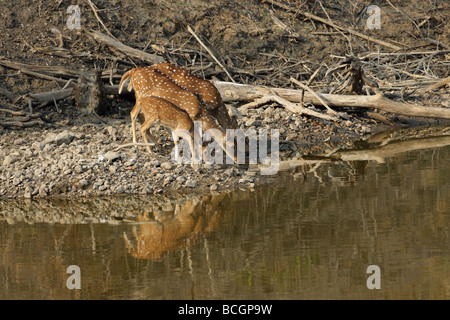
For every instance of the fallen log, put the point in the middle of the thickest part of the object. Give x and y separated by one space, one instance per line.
246 93
50 96
243 92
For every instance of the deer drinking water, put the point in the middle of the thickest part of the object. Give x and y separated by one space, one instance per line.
148 81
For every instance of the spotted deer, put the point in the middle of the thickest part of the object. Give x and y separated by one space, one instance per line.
158 110
205 90
150 82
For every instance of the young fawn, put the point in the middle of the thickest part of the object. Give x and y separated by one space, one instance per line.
148 82
157 110
204 88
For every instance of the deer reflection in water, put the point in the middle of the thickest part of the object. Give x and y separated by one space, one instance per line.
161 233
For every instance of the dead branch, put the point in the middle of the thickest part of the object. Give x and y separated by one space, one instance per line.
119 46
292 107
62 52
210 52
331 24
42 71
13 112
49 96
94 9
305 87
240 92
438 84
21 124
134 144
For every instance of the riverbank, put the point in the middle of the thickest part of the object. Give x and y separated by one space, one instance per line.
78 159
53 150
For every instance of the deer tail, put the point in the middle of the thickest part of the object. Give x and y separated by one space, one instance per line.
122 81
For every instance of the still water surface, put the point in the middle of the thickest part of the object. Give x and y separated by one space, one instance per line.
298 238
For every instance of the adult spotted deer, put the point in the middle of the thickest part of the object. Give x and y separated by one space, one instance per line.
204 88
150 82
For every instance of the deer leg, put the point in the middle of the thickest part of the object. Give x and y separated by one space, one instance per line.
144 127
147 133
134 113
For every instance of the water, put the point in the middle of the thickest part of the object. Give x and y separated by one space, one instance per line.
294 239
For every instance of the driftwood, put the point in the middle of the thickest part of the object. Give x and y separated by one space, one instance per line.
240 92
379 153
19 118
289 98
292 107
41 71
119 46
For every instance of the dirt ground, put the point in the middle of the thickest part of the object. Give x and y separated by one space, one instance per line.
251 42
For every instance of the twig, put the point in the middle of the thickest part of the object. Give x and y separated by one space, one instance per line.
98 117
99 19
312 16
438 43
40 75
68 84
56 104
13 112
397 54
135 144
439 84
210 52
348 38
292 107
331 111
310 80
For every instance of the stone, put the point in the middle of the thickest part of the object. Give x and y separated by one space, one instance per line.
111 156
191 183
8 160
166 165
252 123
63 137
343 115
119 189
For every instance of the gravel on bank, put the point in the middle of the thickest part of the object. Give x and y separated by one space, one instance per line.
81 160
